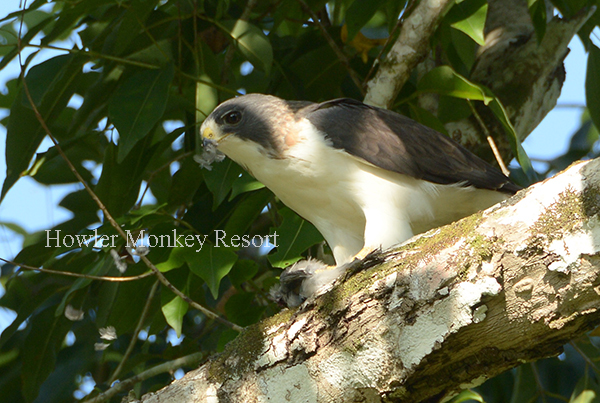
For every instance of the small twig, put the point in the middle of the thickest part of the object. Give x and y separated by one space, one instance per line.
538 381
569 105
494 148
136 332
341 56
585 357
97 55
490 140
540 387
210 314
92 54
168 366
79 275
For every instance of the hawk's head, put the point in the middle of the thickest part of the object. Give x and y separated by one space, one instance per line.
254 120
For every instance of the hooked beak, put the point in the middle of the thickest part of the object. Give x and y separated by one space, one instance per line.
208 137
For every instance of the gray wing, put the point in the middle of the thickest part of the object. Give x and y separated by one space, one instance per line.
399 144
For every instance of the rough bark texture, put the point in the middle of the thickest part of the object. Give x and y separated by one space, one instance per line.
446 311
409 50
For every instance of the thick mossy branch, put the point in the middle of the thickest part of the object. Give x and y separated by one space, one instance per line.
445 311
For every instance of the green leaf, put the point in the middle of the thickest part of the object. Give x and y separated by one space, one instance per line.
69 17
16 228
24 295
185 183
537 11
443 80
119 184
220 180
587 389
138 104
359 13
525 387
251 42
8 37
211 264
469 17
7 99
460 49
452 109
51 86
41 349
592 84
392 10
99 268
587 396
33 17
207 97
174 310
227 336
51 168
96 96
588 350
427 118
14 51
242 270
177 256
242 310
121 304
132 23
246 212
467 396
294 236
244 183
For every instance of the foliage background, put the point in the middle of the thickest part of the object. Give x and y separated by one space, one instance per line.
125 102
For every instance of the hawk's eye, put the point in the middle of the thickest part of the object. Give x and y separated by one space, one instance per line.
232 118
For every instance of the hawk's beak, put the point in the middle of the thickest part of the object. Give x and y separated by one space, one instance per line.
208 136
208 154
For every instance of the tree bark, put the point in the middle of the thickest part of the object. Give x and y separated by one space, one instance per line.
443 312
411 47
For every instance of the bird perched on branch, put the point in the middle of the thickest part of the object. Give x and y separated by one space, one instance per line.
365 177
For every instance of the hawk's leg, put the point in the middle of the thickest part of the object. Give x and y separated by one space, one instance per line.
383 230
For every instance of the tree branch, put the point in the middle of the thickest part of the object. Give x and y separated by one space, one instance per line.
527 76
409 49
446 311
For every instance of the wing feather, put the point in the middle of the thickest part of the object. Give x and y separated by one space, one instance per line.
396 143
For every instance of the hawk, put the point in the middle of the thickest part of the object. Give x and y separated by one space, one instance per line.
365 177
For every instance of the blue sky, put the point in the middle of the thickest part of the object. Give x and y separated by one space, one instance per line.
34 207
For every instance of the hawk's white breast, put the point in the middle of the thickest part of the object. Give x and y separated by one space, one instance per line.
351 202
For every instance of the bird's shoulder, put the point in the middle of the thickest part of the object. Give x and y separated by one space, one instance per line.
397 143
